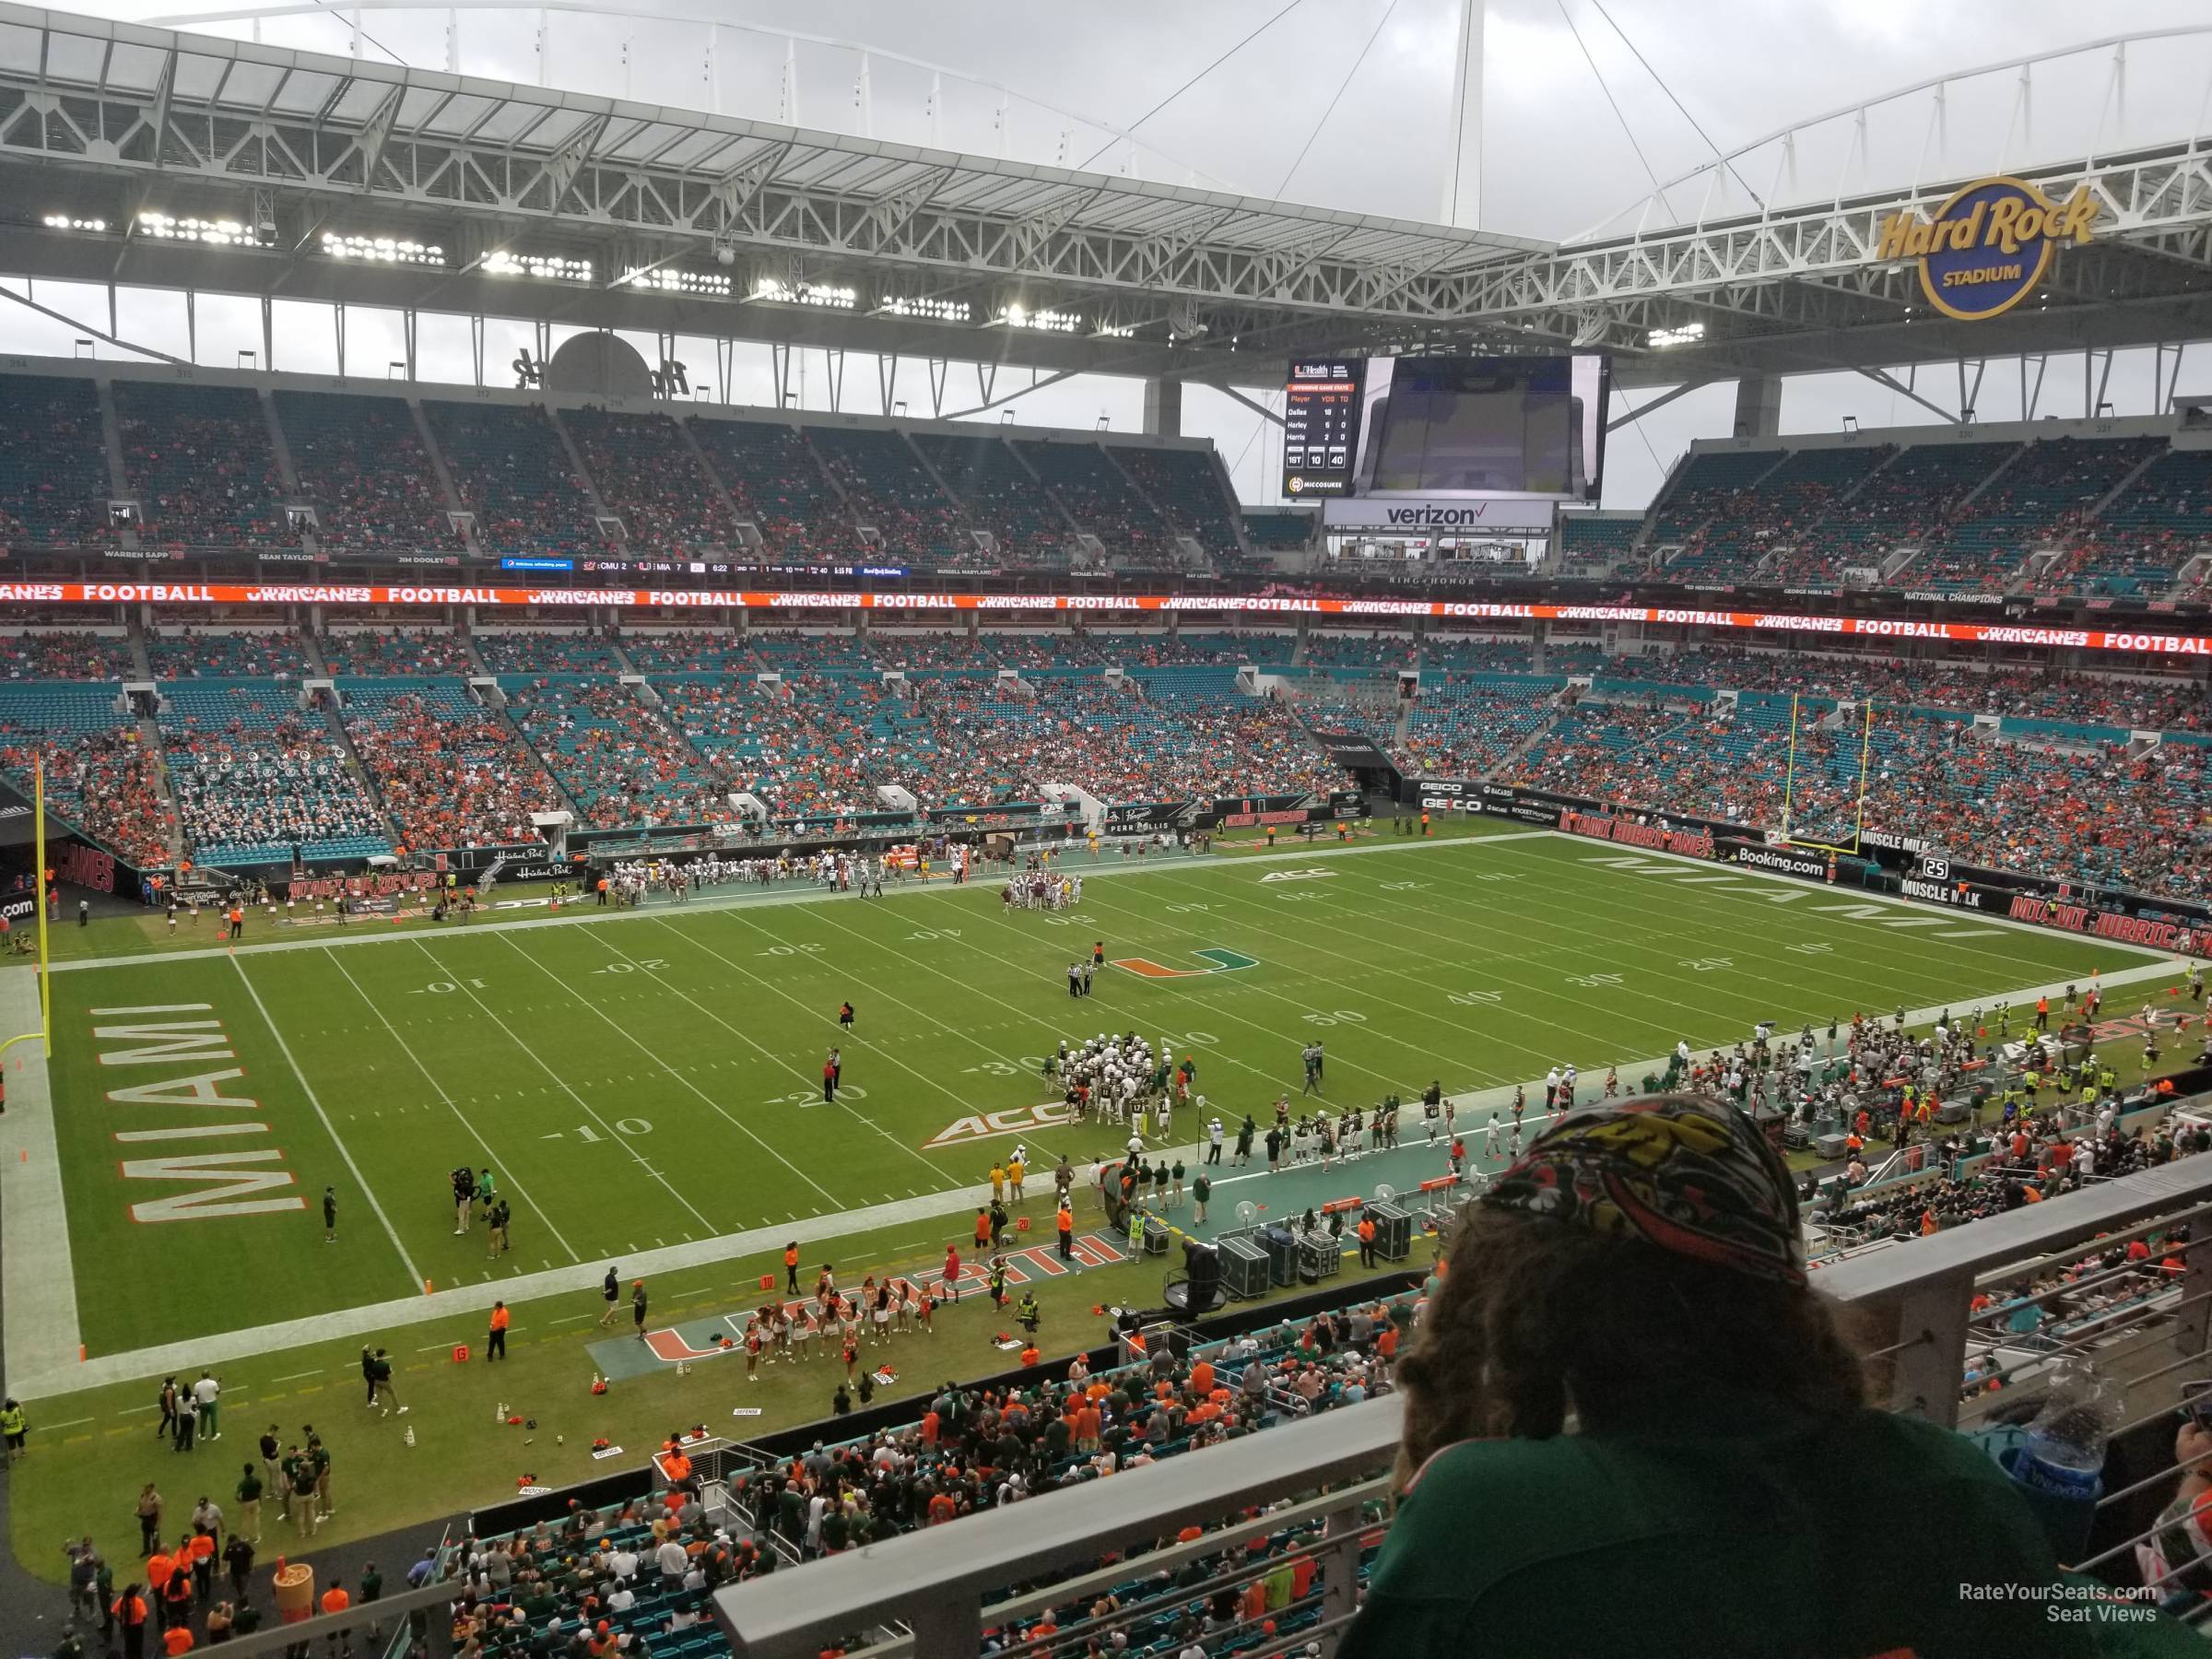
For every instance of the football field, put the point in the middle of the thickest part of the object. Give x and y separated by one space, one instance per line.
643 1080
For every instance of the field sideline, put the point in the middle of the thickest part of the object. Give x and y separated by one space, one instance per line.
651 1082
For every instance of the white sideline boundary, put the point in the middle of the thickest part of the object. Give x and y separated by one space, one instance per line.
583 911
41 1327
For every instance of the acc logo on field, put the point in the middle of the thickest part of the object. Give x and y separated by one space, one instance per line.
1986 248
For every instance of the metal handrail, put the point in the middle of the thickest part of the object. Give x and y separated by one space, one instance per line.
940 1578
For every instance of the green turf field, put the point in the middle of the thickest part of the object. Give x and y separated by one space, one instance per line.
644 1080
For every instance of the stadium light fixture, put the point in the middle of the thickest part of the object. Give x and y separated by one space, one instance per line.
548 268
62 221
774 290
928 309
222 234
667 280
1041 322
1114 330
381 250
1687 334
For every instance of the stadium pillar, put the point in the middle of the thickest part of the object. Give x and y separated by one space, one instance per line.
1758 406
1463 137
1163 407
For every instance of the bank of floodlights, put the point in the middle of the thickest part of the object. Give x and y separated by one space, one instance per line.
1041 322
929 310
826 296
382 250
667 280
545 267
215 233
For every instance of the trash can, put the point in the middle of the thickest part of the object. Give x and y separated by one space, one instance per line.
295 1592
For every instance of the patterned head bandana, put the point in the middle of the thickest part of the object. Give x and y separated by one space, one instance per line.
1688 1174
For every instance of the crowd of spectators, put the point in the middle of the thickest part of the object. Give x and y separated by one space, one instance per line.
776 484
255 776
1086 482
452 773
615 758
53 463
202 464
546 650
886 489
189 652
1000 496
653 480
384 652
361 463
99 775
63 653
510 469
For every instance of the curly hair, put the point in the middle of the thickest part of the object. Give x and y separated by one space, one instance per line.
1537 1319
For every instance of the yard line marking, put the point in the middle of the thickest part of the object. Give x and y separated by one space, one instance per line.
559 1081
367 1192
717 1106
429 1077
431 1348
296 1375
72 1423
568 1319
747 1038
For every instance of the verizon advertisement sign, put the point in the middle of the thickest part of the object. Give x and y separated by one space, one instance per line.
1435 516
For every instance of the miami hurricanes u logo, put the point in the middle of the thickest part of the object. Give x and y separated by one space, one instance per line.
1222 962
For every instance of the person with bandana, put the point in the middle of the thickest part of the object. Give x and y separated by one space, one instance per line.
1631 1427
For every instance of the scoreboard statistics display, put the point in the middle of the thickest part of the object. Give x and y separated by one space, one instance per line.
1321 425
1445 428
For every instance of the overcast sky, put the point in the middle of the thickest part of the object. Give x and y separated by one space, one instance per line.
1580 117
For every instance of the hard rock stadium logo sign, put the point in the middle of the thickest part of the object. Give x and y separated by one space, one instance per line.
1986 249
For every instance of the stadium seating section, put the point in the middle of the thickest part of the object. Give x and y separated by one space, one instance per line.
511 471
1098 497
596 1578
1279 532
201 465
61 654
2118 517
1183 485
257 777
452 772
361 464
1589 545
776 483
650 479
887 488
188 653
1001 496
53 463
99 776
1773 514
614 756
382 652
1707 485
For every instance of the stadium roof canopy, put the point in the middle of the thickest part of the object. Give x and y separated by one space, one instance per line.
137 156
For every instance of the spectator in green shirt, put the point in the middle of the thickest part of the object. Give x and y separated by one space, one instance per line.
1631 1429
